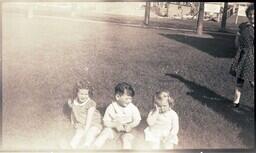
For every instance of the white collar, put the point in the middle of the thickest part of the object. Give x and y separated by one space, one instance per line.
76 102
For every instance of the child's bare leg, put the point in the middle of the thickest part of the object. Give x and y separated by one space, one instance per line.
152 140
91 135
106 134
127 140
76 138
168 146
170 141
154 145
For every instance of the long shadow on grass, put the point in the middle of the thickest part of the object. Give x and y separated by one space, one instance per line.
217 46
242 117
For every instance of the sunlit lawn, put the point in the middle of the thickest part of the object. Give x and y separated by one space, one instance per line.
43 58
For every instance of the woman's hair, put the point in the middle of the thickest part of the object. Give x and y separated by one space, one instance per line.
157 96
82 84
249 9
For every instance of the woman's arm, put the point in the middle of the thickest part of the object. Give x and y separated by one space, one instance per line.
237 40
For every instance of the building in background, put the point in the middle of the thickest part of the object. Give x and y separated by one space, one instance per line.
189 10
173 10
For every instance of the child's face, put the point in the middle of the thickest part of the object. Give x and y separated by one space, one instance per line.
165 96
123 100
163 102
83 95
163 106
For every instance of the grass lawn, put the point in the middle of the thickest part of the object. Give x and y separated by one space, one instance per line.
44 57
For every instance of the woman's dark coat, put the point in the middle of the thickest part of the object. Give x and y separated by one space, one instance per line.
243 63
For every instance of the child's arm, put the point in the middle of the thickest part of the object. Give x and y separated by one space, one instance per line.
89 117
109 121
174 131
128 127
114 124
175 125
70 104
152 116
135 122
111 124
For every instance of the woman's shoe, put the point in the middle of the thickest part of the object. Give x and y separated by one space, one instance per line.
236 105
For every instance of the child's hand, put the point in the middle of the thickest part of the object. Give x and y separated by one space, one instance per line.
168 138
127 128
157 109
119 127
70 103
164 139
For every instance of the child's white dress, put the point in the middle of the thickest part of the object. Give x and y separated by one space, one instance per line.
78 120
166 127
80 111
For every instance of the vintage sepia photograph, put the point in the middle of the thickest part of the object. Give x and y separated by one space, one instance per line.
127 76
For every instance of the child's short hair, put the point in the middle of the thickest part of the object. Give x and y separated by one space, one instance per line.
249 8
122 88
157 96
83 84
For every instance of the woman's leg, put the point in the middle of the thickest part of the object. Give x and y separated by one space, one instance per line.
237 97
252 84
239 85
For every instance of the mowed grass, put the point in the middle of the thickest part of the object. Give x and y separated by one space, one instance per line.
44 57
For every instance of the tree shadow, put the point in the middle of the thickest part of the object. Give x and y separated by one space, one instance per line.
242 117
215 45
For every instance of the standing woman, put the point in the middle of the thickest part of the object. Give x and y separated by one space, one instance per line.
243 65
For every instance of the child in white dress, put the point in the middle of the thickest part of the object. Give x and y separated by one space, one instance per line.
163 124
84 116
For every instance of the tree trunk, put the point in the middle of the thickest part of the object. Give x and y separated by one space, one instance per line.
224 17
167 11
147 13
200 19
